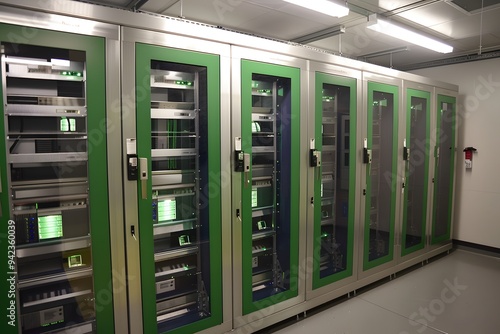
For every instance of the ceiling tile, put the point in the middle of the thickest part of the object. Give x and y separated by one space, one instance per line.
281 26
433 14
472 43
470 25
473 5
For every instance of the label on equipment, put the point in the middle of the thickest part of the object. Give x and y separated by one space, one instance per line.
255 262
165 286
52 316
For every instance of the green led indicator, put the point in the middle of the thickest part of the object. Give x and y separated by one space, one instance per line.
183 83
265 91
72 73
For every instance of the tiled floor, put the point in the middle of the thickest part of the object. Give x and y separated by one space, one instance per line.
456 294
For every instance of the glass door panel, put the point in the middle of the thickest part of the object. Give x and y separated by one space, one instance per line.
178 132
55 181
381 157
334 180
416 156
444 170
270 116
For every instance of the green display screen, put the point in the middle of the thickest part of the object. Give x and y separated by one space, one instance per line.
167 210
50 227
67 124
254 197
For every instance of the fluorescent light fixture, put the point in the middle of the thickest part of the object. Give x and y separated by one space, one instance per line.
322 6
396 31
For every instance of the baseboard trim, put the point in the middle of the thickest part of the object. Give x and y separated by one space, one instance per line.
478 248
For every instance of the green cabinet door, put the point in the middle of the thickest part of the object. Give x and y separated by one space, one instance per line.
178 139
54 194
416 157
335 179
270 128
381 157
444 169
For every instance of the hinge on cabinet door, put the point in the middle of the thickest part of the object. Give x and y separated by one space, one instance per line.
364 192
203 300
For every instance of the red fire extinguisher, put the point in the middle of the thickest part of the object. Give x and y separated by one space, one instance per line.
468 156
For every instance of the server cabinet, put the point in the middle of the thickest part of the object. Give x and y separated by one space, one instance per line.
54 182
416 160
334 178
444 170
174 174
380 156
267 174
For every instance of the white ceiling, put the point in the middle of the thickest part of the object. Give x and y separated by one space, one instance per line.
442 19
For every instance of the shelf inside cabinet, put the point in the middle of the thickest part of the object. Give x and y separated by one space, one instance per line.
262 211
174 226
263 234
45 76
68 275
49 247
261 249
261 278
175 307
69 297
167 255
183 269
172 110
173 152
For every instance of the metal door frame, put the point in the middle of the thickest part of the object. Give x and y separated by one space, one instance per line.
343 286
130 37
386 269
258 319
445 245
110 33
420 255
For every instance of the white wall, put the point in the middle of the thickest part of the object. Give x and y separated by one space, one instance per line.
477 202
